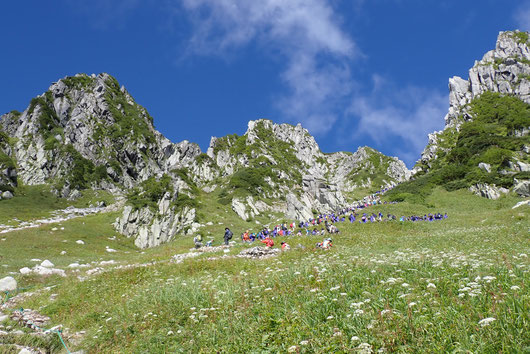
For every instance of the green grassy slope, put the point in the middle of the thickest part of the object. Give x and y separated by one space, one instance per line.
35 202
373 285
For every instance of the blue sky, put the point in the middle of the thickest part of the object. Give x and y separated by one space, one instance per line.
353 72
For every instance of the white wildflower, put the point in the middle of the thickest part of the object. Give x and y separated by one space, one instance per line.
304 342
384 312
329 318
485 322
405 285
292 349
515 287
355 339
431 285
364 348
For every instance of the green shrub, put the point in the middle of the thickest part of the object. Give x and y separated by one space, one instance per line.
6 161
78 82
521 37
488 138
149 192
202 158
82 171
132 121
251 180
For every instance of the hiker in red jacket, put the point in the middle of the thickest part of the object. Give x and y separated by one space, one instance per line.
268 242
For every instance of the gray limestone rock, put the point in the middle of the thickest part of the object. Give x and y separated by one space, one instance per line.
7 195
488 191
485 166
522 188
8 284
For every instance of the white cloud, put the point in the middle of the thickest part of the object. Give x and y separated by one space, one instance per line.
522 16
301 32
404 114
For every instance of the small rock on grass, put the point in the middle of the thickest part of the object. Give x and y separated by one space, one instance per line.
47 264
8 284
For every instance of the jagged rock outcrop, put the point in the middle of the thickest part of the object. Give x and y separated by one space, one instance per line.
8 171
293 169
484 145
506 70
488 191
151 227
87 131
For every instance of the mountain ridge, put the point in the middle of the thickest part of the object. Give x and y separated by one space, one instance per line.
87 132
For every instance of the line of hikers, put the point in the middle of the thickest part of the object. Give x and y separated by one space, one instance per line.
326 223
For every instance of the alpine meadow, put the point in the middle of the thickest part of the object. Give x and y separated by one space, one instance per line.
114 239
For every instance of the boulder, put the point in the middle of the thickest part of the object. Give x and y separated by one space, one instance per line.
488 191
25 270
485 167
7 195
522 188
8 284
239 208
47 264
524 202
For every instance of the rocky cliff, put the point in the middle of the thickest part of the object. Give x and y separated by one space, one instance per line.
88 132
505 70
282 165
485 143
8 172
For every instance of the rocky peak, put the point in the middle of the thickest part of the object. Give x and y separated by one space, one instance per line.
305 146
90 125
506 70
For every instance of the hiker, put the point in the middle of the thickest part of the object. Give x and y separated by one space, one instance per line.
246 236
327 243
285 246
228 235
268 242
198 241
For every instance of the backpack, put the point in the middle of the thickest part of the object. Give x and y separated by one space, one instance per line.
230 234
